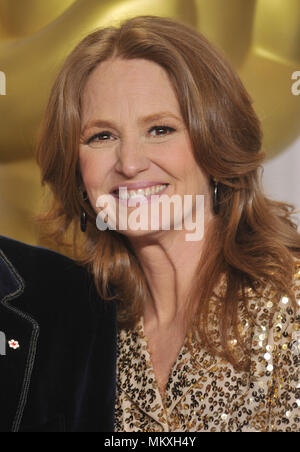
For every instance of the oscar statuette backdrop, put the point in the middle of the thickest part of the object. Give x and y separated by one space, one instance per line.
261 38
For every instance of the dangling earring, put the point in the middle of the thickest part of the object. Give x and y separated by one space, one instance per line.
83 221
83 216
216 205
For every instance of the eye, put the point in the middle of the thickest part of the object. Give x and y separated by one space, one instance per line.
98 137
161 130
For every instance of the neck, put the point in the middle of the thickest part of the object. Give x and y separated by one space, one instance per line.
169 263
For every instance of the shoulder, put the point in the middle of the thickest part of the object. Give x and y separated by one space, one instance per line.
276 313
26 257
36 263
276 355
267 298
48 277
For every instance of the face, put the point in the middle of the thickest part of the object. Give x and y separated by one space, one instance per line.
133 136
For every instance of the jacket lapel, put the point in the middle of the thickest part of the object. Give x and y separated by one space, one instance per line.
18 336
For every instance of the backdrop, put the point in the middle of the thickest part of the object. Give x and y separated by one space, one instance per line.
261 38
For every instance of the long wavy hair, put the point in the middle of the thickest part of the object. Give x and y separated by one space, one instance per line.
253 239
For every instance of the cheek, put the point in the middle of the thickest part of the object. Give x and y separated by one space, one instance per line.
181 162
188 171
93 169
175 157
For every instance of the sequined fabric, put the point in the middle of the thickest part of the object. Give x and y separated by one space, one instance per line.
204 392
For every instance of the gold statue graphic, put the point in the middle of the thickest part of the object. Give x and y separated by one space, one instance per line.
261 38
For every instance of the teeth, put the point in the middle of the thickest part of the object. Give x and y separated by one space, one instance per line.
123 194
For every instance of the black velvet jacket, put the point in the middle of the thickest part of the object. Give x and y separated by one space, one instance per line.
62 375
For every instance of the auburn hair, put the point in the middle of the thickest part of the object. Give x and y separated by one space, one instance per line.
252 240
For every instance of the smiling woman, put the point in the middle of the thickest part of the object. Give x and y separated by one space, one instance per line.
207 329
141 141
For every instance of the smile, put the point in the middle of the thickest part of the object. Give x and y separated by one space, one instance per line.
124 194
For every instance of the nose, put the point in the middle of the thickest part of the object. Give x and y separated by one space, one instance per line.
131 159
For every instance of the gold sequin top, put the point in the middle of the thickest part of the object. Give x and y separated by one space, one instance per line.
204 392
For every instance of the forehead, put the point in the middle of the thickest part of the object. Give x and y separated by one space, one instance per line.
139 84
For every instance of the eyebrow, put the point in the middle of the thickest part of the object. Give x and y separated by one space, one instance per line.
146 119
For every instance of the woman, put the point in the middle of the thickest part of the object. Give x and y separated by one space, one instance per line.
208 328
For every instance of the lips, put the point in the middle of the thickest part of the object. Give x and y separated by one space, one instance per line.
143 191
137 186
